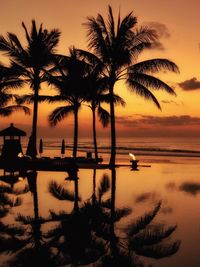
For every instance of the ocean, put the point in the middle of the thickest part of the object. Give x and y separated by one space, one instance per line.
146 148
171 178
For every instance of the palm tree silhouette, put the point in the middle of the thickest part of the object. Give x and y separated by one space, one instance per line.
28 246
116 49
9 80
9 198
73 237
31 63
68 77
96 95
140 237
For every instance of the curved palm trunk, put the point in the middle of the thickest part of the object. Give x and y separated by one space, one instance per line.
75 132
94 134
113 133
32 145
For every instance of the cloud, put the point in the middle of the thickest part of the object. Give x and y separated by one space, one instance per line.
171 120
157 120
169 102
191 84
162 33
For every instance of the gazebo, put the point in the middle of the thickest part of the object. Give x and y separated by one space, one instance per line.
11 142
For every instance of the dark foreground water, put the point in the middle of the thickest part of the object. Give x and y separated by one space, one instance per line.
149 217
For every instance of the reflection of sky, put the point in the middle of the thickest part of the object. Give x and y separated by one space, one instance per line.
146 187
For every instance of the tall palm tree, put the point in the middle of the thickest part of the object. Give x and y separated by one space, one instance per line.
8 80
115 48
72 85
30 63
96 95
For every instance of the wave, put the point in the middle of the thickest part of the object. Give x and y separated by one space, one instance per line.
125 150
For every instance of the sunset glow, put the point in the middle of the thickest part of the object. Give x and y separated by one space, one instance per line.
177 25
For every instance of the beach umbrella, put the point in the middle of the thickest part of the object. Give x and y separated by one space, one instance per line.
41 147
63 147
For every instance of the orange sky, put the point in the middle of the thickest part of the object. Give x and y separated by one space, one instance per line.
178 25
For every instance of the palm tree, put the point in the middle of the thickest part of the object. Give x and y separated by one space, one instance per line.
115 50
96 95
72 83
30 63
8 80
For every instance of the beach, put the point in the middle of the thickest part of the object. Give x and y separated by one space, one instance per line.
172 180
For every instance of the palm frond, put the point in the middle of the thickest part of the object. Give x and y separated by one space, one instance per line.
97 39
154 65
106 203
12 245
150 81
150 236
104 185
3 211
159 251
11 230
29 220
5 200
62 215
144 35
8 110
118 100
104 116
141 90
59 114
61 193
91 58
142 222
11 83
121 213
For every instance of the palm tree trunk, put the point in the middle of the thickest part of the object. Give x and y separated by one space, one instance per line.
113 134
76 208
75 132
113 239
94 188
94 134
32 145
32 178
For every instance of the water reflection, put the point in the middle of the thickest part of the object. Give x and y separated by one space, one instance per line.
87 234
189 187
147 196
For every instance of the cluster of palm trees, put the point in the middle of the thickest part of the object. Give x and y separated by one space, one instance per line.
83 76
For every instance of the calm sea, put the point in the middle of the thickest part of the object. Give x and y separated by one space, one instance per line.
175 186
140 147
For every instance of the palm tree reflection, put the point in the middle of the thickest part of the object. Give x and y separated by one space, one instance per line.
73 238
26 242
89 233
140 237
